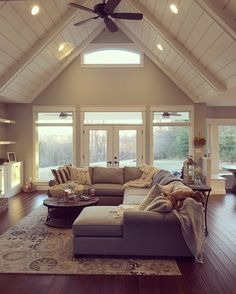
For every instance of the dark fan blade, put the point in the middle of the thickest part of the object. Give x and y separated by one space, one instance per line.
112 27
111 5
84 21
127 15
81 7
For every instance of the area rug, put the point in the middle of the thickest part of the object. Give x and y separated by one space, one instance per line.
34 248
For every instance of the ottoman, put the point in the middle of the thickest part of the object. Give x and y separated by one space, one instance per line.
98 231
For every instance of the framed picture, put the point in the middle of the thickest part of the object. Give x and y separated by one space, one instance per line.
11 156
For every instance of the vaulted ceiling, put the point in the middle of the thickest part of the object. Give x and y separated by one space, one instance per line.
199 44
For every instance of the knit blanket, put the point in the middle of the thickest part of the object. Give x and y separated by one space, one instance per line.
191 217
146 179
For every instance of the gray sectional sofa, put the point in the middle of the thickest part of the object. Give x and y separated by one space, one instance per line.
98 230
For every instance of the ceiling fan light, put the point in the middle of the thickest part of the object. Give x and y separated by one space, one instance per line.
159 46
35 10
174 8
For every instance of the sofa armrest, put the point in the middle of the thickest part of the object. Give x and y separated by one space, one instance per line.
52 183
142 224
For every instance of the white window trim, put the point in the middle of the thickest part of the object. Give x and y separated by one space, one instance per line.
214 124
37 109
119 46
172 108
128 108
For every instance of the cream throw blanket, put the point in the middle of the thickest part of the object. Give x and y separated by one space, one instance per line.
146 179
191 217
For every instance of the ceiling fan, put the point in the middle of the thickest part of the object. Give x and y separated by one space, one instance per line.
61 115
166 114
105 10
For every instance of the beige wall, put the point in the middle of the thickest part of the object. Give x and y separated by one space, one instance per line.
3 130
112 86
221 112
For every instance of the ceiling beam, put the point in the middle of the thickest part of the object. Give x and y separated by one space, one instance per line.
178 47
223 17
69 59
39 46
155 60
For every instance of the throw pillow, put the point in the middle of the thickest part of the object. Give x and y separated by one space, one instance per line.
156 190
61 175
80 175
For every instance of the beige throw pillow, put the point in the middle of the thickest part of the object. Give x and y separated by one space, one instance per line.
156 190
80 175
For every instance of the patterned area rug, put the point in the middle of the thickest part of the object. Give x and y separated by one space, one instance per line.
34 248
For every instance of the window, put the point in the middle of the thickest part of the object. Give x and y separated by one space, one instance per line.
227 148
108 55
120 118
222 143
172 137
53 142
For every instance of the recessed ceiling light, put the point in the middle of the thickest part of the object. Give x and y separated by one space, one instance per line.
159 46
35 10
61 47
174 8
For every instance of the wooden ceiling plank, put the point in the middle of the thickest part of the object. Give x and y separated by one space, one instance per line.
222 16
19 24
39 46
213 82
23 9
179 20
154 59
68 60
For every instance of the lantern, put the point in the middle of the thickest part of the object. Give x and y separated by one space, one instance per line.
189 167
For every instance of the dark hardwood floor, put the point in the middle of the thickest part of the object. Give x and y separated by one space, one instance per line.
216 275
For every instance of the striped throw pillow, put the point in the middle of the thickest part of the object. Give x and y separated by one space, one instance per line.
61 175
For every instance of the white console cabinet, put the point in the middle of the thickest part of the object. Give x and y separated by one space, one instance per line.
11 178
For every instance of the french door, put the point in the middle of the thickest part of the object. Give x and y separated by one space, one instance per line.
113 146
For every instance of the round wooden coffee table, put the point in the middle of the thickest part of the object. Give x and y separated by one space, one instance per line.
63 214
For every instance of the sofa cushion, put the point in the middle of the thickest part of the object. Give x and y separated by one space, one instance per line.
103 175
134 196
134 200
108 189
98 221
131 173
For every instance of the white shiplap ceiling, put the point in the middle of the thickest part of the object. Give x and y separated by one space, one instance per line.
199 44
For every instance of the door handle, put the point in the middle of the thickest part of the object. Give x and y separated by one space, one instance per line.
109 162
116 162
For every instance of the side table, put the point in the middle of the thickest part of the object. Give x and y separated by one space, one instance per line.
206 190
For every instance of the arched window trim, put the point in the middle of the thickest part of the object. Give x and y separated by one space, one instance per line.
100 47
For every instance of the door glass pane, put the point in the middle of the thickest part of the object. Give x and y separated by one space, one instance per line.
98 148
127 148
170 146
55 148
227 145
